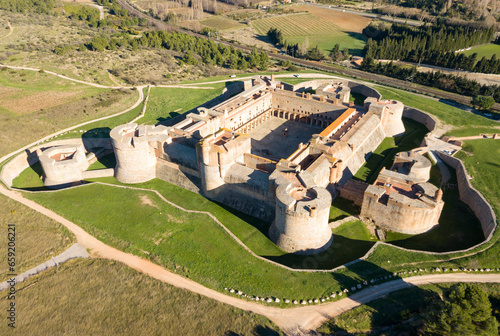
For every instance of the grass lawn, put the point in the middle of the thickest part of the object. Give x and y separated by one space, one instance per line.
482 160
469 131
342 208
383 156
101 129
38 238
486 50
166 103
221 23
107 161
191 244
447 114
103 297
325 34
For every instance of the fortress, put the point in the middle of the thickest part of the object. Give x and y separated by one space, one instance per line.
277 153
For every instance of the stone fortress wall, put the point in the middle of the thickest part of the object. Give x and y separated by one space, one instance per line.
210 152
470 196
19 163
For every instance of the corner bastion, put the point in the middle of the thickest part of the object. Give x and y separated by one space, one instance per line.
63 165
302 210
135 157
401 199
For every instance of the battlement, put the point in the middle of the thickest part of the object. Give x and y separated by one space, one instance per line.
63 165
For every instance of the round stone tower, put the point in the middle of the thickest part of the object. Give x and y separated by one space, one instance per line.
301 222
390 113
135 158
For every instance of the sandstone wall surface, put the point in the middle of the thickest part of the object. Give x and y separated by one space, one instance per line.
22 161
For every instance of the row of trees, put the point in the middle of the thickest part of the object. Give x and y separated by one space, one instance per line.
451 83
431 44
25 6
207 51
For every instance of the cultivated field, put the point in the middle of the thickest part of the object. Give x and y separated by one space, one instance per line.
321 32
221 23
486 50
347 22
103 297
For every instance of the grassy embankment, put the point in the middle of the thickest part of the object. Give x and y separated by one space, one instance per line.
485 50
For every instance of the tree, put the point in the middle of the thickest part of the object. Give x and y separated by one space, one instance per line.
483 102
336 54
466 310
315 54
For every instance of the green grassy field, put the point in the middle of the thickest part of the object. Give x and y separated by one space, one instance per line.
191 244
482 160
324 34
447 114
469 131
221 23
165 103
35 104
384 154
103 297
486 50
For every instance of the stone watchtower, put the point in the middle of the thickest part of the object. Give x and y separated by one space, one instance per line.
301 222
135 158
390 113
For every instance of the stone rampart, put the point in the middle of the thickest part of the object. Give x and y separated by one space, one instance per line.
96 173
470 196
421 117
180 176
370 135
22 161
363 90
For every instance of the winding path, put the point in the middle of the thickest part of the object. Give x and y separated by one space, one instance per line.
290 320
11 30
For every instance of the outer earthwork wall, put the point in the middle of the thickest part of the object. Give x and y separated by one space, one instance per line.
22 161
470 196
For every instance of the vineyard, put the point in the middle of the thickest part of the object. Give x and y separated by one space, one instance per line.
325 34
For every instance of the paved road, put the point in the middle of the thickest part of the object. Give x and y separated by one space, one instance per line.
74 251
